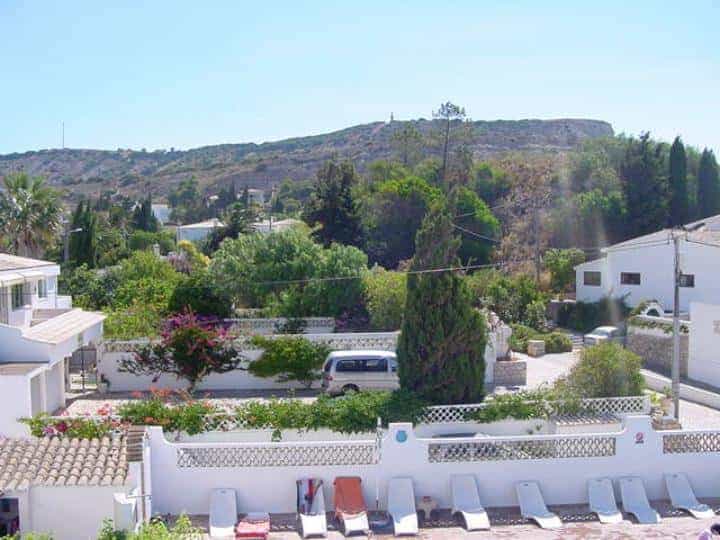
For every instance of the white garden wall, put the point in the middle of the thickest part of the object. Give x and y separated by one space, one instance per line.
114 351
704 357
264 474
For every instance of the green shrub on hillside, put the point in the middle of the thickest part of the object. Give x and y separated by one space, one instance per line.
289 359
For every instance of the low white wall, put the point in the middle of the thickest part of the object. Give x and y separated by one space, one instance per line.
114 351
704 357
69 513
659 383
637 450
15 396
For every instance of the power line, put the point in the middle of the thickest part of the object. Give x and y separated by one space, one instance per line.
406 272
473 233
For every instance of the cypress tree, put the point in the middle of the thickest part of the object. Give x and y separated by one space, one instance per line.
708 197
645 186
679 203
442 340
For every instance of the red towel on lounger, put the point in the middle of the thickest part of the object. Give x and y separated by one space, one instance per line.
349 499
255 525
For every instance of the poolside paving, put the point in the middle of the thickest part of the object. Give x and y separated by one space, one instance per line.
507 523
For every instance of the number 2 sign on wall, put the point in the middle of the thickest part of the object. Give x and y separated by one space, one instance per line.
640 438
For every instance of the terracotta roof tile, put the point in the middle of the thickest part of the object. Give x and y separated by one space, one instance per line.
59 461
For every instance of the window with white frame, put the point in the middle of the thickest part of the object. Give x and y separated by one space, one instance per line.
42 289
592 279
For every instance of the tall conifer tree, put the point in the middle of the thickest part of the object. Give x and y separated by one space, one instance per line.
679 203
442 340
708 185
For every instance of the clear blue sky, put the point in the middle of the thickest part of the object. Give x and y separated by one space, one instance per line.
158 74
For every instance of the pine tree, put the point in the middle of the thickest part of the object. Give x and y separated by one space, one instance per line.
645 186
442 340
333 205
679 202
708 196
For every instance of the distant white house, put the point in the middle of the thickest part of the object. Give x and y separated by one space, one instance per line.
39 331
161 213
266 226
197 232
642 268
256 196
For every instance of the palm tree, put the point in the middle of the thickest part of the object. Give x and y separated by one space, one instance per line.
29 214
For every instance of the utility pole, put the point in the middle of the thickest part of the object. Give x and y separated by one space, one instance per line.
675 371
63 134
66 240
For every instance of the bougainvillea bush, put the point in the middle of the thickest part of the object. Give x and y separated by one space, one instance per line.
190 347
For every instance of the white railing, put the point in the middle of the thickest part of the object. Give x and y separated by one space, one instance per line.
442 414
522 448
327 453
308 325
691 442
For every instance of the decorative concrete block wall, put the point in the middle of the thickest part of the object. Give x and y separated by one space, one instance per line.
655 347
511 373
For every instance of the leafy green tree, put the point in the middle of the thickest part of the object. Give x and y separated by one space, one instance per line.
393 214
143 218
442 340
708 185
30 214
187 202
490 183
333 205
382 171
195 292
407 142
289 359
385 298
141 240
562 263
679 203
480 229
286 272
83 245
645 186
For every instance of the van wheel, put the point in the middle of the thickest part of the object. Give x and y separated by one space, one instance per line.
349 388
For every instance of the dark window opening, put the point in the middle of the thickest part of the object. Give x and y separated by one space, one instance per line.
593 279
630 278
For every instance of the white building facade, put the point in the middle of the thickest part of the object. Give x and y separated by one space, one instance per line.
39 331
643 269
197 232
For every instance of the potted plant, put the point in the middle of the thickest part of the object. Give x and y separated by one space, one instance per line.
666 401
103 384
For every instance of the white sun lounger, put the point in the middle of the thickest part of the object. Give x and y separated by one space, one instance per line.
532 506
223 513
683 497
602 500
314 521
466 501
401 506
635 501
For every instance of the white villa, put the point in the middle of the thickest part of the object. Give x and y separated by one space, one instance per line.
642 268
39 330
161 212
197 232
266 226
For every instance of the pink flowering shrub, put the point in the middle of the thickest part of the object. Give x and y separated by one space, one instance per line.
190 348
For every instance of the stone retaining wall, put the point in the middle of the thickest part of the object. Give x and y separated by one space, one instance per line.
656 349
510 373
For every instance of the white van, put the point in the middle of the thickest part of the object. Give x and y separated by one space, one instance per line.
346 371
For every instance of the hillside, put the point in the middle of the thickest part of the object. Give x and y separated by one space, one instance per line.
262 165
